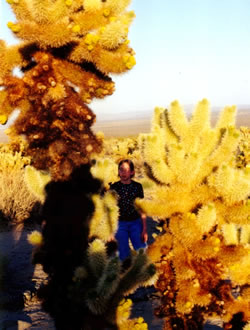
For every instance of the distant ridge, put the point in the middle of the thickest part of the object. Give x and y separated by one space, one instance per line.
243 117
148 113
142 123
121 125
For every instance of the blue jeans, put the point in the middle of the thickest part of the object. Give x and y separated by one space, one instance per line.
129 230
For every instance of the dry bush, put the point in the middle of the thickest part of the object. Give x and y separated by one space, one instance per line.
16 201
243 151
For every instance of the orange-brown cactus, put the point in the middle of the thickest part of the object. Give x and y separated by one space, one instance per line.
16 90
57 123
68 50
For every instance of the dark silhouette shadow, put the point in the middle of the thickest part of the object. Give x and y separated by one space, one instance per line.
16 271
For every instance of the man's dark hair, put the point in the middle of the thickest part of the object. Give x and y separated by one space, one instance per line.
131 165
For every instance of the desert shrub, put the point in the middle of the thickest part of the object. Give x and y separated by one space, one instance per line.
16 200
243 150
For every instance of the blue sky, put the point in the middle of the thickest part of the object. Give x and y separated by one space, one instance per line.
185 50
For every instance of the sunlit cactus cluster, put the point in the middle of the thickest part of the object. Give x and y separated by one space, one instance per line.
202 197
105 169
120 148
123 313
62 68
36 181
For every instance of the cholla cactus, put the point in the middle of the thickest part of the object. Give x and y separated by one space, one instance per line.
197 188
16 143
104 220
64 67
120 148
36 181
105 169
100 284
123 321
247 326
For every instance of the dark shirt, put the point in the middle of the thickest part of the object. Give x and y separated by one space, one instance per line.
127 194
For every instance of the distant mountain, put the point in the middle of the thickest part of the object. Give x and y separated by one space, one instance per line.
243 117
129 115
133 123
148 113
122 128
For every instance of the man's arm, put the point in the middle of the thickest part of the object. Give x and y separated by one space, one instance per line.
144 234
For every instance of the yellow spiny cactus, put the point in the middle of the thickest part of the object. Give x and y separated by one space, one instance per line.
104 220
247 326
35 238
197 187
105 170
245 234
36 181
230 233
72 20
97 256
123 321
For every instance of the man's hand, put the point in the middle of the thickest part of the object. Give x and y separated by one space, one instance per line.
144 234
111 238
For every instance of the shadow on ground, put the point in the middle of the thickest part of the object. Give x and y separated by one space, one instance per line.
20 310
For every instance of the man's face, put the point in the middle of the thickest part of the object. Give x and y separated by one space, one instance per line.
124 172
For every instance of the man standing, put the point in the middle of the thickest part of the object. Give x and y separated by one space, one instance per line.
132 224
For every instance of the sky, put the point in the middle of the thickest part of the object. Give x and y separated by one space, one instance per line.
185 50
